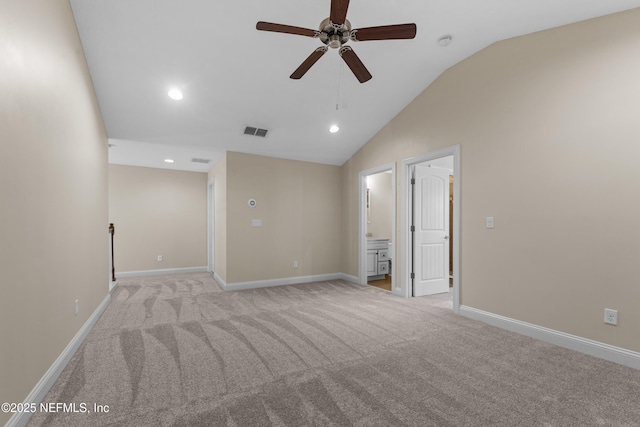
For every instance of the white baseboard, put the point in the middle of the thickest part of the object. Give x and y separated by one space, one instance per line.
112 286
398 292
593 348
350 278
46 382
120 275
218 279
238 286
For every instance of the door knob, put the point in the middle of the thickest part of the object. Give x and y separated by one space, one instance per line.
446 237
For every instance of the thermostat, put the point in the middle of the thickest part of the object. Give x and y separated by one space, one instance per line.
252 203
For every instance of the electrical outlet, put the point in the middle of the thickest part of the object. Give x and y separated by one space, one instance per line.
295 264
611 317
77 307
159 258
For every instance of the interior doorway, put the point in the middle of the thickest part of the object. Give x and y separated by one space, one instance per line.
211 225
431 197
379 230
377 248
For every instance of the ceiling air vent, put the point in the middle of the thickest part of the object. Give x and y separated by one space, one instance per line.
255 131
196 160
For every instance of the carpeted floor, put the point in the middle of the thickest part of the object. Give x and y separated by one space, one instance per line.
178 351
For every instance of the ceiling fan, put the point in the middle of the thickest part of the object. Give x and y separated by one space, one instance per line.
334 32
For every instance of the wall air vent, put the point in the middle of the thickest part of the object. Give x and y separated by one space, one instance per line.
255 131
196 160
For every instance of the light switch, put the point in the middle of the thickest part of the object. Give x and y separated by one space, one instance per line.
256 223
489 222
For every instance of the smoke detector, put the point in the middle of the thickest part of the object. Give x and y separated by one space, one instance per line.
445 40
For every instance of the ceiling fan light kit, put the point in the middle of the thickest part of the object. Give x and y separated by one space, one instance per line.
334 32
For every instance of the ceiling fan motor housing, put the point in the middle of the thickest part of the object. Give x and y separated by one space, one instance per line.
334 35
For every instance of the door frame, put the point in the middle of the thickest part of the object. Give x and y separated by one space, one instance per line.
407 208
362 214
211 226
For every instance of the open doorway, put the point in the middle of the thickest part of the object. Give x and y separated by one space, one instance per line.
432 207
377 247
379 230
211 224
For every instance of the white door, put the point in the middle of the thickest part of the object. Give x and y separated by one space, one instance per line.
431 237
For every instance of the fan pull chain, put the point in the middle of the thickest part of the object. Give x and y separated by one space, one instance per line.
339 86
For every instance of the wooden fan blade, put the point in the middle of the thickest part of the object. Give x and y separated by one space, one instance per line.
308 63
287 29
385 32
339 11
352 60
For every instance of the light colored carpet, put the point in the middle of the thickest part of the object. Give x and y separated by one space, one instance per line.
178 351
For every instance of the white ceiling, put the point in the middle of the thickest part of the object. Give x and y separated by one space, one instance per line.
234 76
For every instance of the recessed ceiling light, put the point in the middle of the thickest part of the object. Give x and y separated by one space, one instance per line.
175 94
445 40
334 128
168 160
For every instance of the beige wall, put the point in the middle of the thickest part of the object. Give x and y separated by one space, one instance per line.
300 206
380 223
158 212
53 192
548 127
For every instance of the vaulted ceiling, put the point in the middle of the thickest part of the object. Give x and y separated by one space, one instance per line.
233 76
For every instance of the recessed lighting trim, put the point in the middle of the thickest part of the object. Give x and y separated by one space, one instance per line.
334 128
175 94
169 160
